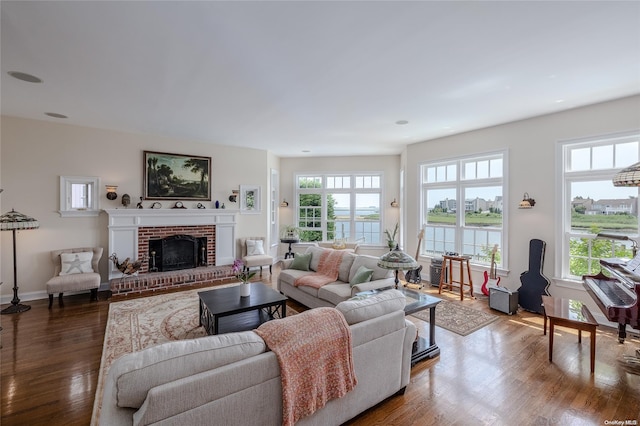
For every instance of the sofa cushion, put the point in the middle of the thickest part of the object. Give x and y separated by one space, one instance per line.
315 252
345 266
370 262
301 262
362 308
134 374
363 274
335 292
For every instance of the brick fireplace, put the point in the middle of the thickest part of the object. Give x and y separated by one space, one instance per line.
131 229
147 233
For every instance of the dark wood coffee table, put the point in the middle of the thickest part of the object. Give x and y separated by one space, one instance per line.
222 310
420 301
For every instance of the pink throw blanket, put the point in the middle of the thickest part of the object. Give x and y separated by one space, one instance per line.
327 272
316 361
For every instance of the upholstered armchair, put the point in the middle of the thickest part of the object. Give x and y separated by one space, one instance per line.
254 253
75 269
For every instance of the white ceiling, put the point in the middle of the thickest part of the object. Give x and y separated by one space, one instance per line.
329 77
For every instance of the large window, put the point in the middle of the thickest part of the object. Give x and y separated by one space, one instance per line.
462 207
592 205
339 207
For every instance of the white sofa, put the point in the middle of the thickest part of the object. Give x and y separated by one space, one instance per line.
331 294
233 379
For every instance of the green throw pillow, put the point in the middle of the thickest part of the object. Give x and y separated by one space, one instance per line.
301 262
362 275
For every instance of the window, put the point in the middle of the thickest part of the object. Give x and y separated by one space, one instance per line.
79 196
592 205
339 206
462 206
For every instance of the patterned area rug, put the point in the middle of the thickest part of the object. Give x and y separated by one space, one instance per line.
137 324
458 318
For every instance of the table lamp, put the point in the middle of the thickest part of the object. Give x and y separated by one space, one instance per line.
397 260
13 221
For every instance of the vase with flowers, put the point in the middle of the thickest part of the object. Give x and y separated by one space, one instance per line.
244 275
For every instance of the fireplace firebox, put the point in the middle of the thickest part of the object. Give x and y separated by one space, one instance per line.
177 252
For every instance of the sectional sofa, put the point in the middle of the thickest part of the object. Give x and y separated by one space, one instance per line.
345 287
234 380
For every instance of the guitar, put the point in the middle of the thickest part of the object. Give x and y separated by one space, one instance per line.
413 276
491 277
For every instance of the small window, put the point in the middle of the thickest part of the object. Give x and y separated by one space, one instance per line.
79 196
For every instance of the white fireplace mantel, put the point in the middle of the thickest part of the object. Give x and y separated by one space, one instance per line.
124 224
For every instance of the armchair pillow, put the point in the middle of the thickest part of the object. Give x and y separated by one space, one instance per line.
76 263
255 247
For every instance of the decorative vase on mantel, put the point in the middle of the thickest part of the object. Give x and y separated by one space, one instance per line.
245 289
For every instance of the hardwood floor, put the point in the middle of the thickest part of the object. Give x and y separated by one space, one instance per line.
498 375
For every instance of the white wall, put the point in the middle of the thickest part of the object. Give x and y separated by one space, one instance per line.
531 146
35 153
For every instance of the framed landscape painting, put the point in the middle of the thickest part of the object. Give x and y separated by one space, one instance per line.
176 177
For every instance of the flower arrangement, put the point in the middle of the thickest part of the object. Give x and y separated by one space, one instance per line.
240 273
391 238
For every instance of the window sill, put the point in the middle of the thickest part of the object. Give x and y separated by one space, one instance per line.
567 283
79 213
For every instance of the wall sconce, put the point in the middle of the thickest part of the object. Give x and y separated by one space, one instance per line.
234 196
284 203
394 203
527 202
111 192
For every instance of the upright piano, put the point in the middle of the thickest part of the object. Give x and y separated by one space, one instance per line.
617 292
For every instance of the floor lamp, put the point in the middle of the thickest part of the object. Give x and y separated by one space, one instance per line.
14 221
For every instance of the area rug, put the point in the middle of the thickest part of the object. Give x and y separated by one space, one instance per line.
458 318
133 325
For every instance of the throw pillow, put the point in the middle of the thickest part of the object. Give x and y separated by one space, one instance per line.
76 263
363 275
301 262
255 247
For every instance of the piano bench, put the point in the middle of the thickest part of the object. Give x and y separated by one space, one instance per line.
571 314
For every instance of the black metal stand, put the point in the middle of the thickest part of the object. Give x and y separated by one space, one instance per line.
16 306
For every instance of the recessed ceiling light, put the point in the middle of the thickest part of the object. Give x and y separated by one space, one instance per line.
55 115
402 122
25 77
559 101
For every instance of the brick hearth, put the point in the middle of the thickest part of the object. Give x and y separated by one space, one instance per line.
157 281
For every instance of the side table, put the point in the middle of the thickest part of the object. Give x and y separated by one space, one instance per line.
289 241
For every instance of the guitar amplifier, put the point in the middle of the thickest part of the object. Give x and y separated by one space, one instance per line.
435 271
504 300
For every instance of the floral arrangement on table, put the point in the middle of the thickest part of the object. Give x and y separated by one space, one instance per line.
391 238
240 272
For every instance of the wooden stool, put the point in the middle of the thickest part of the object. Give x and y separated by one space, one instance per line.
447 279
572 314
